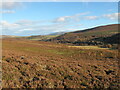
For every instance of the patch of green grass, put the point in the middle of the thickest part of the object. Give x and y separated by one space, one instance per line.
82 51
57 52
44 37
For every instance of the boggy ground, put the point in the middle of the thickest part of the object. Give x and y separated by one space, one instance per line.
35 64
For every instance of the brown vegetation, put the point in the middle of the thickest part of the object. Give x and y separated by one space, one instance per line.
37 64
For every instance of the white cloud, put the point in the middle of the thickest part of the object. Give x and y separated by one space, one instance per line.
7 11
22 30
72 18
10 5
113 16
62 19
7 25
26 22
27 27
65 23
91 17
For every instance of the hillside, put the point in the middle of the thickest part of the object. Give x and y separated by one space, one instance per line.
44 37
8 36
40 37
89 36
57 33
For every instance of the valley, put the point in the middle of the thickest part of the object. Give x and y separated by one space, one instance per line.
48 64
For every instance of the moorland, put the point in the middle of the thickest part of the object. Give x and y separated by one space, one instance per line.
80 59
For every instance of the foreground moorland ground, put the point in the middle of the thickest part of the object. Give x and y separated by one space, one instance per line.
37 64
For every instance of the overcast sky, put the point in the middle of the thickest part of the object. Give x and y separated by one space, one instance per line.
38 18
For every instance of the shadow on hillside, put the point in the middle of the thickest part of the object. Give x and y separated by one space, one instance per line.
114 39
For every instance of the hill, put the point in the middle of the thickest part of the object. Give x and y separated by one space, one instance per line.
40 37
89 36
8 36
44 37
57 33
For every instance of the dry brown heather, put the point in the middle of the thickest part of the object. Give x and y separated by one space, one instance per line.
35 64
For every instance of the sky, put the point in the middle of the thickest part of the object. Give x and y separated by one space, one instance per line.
41 18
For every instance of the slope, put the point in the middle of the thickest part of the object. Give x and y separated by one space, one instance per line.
87 37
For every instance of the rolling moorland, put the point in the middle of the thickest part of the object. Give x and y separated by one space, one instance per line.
72 60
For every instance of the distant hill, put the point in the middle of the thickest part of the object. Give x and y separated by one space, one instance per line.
44 37
35 37
40 37
57 33
8 36
89 36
